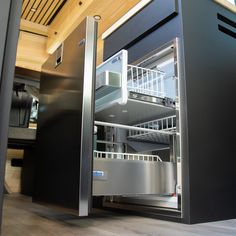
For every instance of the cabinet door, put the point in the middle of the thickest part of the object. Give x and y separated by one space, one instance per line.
63 175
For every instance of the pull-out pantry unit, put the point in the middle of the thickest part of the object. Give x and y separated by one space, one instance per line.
150 129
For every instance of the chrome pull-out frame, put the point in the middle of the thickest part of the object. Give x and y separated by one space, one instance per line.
150 119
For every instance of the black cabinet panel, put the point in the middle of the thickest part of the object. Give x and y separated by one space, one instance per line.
153 16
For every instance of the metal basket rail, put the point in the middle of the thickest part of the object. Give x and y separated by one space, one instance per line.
145 81
126 156
167 124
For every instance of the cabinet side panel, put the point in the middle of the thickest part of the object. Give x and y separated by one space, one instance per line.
210 85
65 127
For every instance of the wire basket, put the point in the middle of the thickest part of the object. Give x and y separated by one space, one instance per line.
146 81
166 125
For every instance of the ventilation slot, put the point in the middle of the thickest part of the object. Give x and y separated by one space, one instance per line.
228 22
227 31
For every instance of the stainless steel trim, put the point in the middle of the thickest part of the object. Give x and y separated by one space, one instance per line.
170 202
183 129
85 185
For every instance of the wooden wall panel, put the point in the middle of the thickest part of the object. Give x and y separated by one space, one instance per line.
31 51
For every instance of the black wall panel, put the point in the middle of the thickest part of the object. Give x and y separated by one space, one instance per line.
210 89
153 16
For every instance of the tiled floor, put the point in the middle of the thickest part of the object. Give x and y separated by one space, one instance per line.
23 218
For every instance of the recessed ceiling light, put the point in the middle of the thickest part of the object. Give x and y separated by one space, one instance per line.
33 9
124 111
111 115
97 17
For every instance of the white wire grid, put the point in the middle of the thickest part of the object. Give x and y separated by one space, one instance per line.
146 81
166 125
126 156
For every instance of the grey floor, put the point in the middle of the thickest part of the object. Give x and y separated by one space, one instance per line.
23 218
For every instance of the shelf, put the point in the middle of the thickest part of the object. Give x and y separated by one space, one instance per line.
137 109
166 126
152 138
119 84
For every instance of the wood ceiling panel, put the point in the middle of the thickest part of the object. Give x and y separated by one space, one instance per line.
72 14
49 14
44 11
110 15
58 22
41 11
24 5
31 52
40 7
32 11
27 9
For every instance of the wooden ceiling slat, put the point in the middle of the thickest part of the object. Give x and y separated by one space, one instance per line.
40 8
50 11
43 12
53 13
24 6
46 11
28 8
32 13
